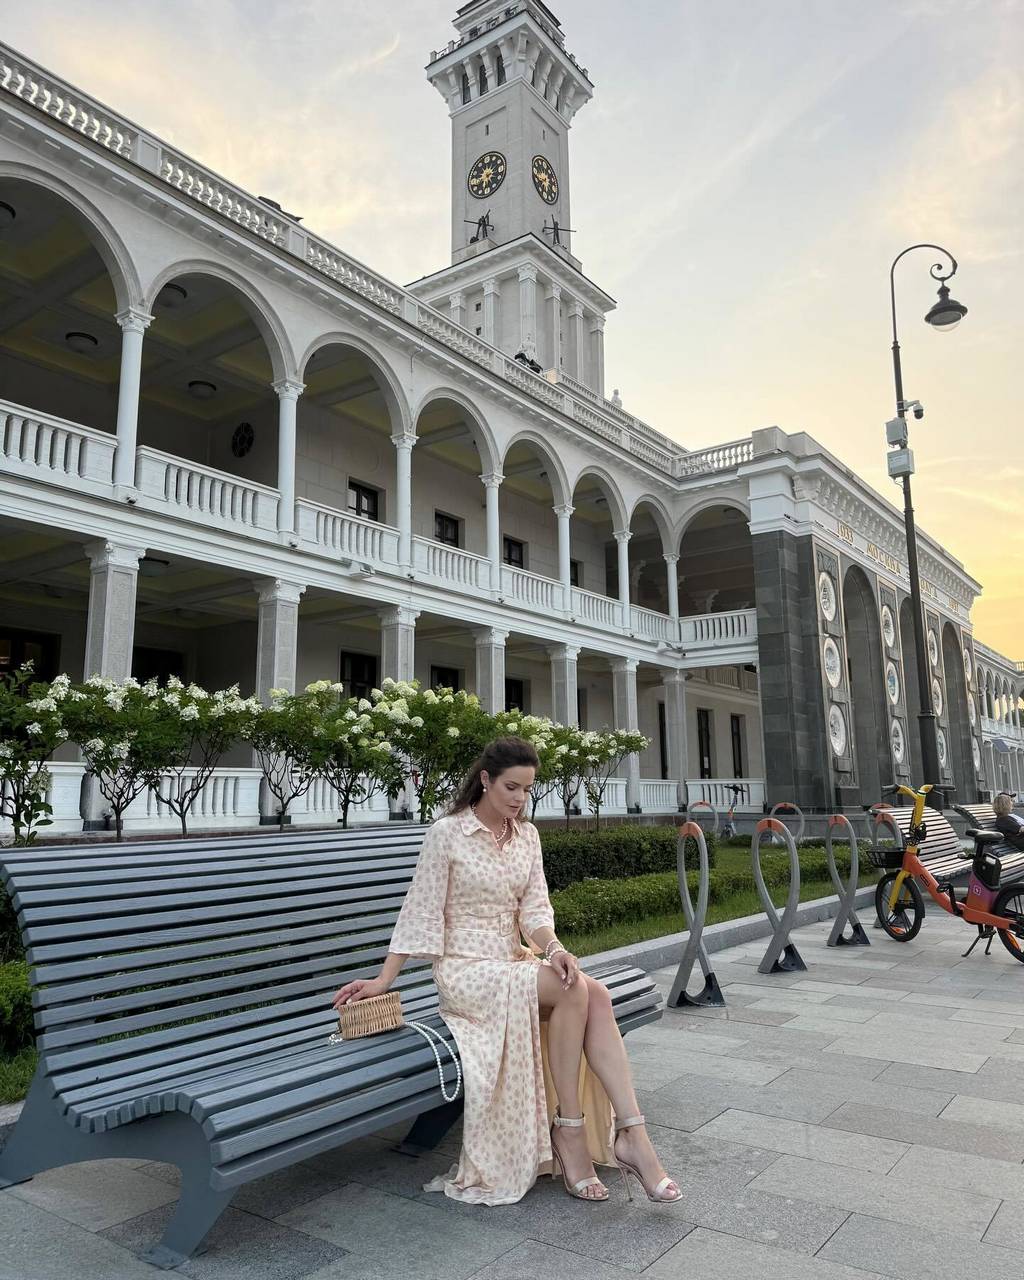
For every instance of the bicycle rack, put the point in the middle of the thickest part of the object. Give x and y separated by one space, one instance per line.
704 804
845 913
781 956
791 808
711 993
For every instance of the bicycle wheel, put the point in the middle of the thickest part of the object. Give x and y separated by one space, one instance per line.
1011 903
902 921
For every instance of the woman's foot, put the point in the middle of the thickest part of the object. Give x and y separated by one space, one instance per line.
633 1149
570 1154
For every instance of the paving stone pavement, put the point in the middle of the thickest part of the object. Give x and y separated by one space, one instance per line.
863 1119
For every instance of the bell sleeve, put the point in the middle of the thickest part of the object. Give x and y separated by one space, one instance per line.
535 910
419 930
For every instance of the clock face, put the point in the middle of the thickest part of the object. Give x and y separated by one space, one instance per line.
544 180
487 175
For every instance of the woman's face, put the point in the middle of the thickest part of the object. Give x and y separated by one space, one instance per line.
509 790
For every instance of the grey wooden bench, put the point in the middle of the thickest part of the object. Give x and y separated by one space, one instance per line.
182 1009
983 816
942 851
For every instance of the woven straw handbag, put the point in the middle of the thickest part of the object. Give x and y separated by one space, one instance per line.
375 1014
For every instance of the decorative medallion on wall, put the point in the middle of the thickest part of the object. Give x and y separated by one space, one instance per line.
892 682
933 648
968 665
937 702
942 748
888 627
972 711
837 730
242 440
833 663
976 755
827 596
899 742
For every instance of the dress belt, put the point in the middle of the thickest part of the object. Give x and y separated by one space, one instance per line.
505 923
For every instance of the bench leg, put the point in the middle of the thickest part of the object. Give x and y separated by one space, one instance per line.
198 1208
42 1139
429 1128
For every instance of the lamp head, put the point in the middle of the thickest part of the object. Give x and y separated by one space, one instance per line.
947 313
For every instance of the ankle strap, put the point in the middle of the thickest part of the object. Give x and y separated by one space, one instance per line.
629 1122
569 1123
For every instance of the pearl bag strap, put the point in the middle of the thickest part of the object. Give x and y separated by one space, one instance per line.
433 1037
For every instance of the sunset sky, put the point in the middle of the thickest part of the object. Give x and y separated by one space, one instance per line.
741 182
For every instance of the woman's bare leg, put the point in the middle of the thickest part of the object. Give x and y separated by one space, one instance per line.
606 1056
567 1022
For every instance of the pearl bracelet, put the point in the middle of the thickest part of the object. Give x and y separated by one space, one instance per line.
548 953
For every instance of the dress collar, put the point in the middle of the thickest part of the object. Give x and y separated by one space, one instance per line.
469 823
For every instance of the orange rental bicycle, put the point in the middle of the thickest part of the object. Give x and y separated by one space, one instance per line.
992 907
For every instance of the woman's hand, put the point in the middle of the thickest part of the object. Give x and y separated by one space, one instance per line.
361 989
566 966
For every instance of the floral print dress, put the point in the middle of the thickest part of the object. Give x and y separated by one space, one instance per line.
465 909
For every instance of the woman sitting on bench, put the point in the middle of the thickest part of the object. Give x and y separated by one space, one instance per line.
1008 822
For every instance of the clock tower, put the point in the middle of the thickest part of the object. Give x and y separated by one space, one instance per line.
512 90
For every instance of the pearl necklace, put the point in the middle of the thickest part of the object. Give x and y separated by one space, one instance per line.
506 833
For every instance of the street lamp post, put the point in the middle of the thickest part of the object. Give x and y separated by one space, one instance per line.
945 315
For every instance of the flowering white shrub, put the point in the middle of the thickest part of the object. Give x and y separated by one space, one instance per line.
31 728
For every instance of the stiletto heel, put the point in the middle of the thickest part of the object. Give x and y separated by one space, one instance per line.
578 1189
658 1194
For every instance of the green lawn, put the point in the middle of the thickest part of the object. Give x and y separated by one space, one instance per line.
16 1075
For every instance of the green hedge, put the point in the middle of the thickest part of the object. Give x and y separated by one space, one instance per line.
613 853
596 904
15 1008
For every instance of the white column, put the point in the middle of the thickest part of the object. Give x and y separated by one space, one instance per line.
528 308
133 325
564 709
622 537
675 731
277 642
398 642
109 636
564 514
553 298
288 392
672 582
490 668
576 361
492 487
490 325
457 308
626 714
597 354
403 443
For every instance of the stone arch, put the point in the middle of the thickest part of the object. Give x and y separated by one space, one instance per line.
395 398
716 559
652 539
557 477
261 312
698 509
611 491
961 756
869 711
911 691
486 444
107 241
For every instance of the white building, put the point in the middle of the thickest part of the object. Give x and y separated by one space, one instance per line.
232 452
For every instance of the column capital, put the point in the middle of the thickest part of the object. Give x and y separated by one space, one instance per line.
457 299
563 652
491 479
526 271
398 615
491 285
576 308
288 388
490 635
112 555
674 675
134 320
671 557
622 535
564 510
627 665
404 439
596 324
271 590
553 292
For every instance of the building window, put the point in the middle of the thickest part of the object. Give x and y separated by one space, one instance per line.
465 88
358 673
363 500
705 744
157 664
482 79
515 553
446 678
479 331
478 306
737 734
447 529
500 70
576 573
663 739
515 695
38 647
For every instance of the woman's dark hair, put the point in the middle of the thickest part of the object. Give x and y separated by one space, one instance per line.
496 757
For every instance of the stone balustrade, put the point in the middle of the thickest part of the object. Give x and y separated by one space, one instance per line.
53 450
193 491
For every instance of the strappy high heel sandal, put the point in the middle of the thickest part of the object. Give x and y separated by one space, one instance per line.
578 1189
659 1194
